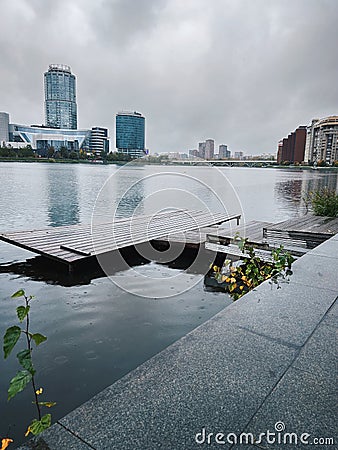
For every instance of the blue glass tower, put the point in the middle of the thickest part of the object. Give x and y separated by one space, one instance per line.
60 97
130 133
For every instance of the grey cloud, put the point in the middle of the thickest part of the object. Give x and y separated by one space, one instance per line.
243 72
118 23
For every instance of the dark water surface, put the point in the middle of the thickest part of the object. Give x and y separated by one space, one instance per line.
96 331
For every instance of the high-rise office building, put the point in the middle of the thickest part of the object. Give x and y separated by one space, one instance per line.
239 155
201 149
292 148
209 149
223 152
60 97
130 133
322 140
193 153
4 123
99 141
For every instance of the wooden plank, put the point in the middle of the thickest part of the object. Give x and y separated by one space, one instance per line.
75 250
118 237
55 236
263 253
253 231
71 243
306 232
308 224
224 243
233 250
138 238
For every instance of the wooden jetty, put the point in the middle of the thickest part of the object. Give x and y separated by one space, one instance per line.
71 244
225 241
297 235
78 243
305 232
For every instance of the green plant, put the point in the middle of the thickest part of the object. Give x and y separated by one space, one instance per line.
27 375
324 202
253 270
321 163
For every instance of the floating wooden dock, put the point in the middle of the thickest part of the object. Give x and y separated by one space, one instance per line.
71 244
77 243
225 241
297 235
306 232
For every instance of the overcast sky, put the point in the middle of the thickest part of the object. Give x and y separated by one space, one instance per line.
244 72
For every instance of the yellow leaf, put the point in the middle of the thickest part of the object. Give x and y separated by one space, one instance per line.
232 280
216 269
228 280
48 404
39 391
241 288
5 443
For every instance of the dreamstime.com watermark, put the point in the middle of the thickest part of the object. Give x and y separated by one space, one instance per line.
278 436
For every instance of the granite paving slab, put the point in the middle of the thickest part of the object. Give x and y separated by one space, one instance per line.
330 251
331 318
302 402
317 271
216 376
319 354
288 315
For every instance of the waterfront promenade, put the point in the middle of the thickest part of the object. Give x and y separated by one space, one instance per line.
266 361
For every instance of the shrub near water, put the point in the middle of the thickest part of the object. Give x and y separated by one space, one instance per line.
254 270
324 202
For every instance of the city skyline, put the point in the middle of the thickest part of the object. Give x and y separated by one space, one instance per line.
241 72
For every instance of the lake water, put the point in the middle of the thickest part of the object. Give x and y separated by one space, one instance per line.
96 331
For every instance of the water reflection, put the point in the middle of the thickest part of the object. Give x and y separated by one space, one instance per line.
291 193
130 201
63 197
183 190
121 195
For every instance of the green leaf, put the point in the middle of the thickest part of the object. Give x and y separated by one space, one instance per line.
10 339
19 293
38 338
22 312
18 383
38 426
48 404
25 359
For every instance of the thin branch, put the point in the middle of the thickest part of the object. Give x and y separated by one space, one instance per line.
29 346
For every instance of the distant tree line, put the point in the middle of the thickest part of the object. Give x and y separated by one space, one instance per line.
320 163
10 152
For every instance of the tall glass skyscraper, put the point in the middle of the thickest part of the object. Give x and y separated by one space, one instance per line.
60 97
130 133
